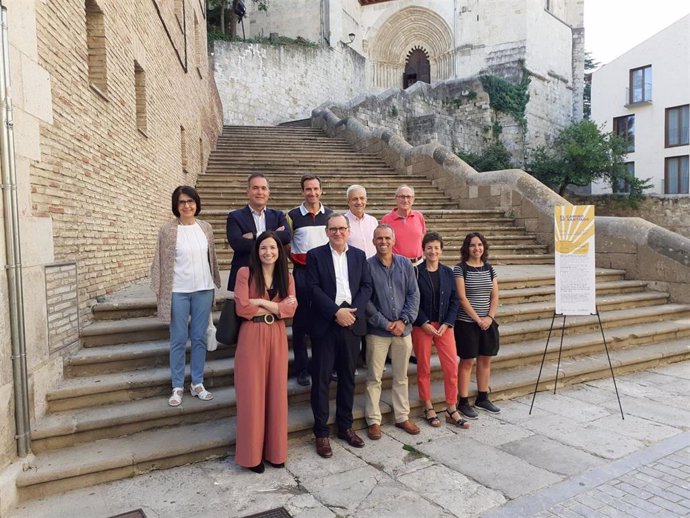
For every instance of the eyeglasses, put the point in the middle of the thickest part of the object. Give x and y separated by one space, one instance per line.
338 230
186 202
405 196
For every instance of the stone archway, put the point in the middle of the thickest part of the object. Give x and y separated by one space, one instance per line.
417 67
408 29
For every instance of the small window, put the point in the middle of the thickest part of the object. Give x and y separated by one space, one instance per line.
624 127
676 175
641 84
183 150
201 155
677 131
140 97
622 185
198 45
95 46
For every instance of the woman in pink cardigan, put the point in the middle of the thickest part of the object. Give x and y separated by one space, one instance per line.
264 297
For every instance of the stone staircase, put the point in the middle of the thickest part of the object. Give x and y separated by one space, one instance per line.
109 418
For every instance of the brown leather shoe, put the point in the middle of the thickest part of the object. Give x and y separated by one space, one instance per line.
352 438
374 432
323 447
408 426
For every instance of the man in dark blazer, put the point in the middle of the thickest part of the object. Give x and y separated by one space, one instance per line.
245 224
340 286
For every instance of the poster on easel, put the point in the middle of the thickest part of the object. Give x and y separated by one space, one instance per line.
575 261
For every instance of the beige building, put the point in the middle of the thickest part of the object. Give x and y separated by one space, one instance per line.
112 105
644 96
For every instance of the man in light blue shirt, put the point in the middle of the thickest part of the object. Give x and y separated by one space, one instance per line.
390 313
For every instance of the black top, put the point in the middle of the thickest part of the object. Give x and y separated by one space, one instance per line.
436 294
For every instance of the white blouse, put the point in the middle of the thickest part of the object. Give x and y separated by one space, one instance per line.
192 270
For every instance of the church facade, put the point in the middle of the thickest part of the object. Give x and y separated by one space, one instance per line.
405 41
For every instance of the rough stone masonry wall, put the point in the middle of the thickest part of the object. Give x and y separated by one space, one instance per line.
667 211
104 183
262 84
453 113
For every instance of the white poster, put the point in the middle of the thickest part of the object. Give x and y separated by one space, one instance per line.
575 265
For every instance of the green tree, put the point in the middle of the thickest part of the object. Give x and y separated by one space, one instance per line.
580 154
493 158
591 65
221 12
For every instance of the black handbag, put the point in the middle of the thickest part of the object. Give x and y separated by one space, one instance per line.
228 324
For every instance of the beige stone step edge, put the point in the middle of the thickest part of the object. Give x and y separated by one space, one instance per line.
538 287
112 459
108 388
69 427
110 332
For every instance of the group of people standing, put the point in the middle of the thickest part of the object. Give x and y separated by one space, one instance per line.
357 287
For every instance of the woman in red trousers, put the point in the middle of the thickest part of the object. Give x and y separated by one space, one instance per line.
438 309
264 297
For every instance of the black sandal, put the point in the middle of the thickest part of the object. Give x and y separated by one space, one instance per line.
434 420
459 422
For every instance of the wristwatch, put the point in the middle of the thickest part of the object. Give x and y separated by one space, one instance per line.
405 321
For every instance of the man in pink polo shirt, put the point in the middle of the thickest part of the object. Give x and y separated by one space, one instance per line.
408 224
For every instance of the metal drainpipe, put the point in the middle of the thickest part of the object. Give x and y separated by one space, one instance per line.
13 251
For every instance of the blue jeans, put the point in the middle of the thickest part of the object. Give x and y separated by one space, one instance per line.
196 305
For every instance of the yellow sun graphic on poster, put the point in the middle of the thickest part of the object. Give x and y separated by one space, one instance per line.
574 229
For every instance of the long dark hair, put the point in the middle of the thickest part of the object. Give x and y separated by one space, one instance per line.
280 272
465 248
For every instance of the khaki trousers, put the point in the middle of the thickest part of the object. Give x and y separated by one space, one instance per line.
377 349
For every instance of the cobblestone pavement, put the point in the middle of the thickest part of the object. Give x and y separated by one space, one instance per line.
573 457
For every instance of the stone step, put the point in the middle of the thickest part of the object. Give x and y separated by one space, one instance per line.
123 386
521 311
103 460
122 357
515 332
515 288
542 293
72 426
450 248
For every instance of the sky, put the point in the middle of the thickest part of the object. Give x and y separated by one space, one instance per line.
612 27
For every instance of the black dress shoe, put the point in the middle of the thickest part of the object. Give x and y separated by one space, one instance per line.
303 379
279 465
259 468
323 447
351 438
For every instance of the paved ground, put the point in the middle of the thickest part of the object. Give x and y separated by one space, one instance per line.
573 457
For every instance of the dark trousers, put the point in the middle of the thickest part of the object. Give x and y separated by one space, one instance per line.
300 320
336 350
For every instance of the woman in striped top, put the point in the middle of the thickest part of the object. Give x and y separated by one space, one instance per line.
476 331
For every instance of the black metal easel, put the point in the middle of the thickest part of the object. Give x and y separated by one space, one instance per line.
558 365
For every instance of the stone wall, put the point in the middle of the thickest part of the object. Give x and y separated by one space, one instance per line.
667 211
644 250
97 156
264 84
453 113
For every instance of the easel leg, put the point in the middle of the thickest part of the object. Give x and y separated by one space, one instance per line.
613 377
543 357
560 351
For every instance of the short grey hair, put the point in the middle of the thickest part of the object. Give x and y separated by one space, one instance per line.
384 226
404 186
337 215
354 188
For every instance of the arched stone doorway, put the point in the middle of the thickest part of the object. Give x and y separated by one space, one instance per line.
409 28
417 67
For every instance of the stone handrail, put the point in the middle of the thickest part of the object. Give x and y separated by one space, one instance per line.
646 251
